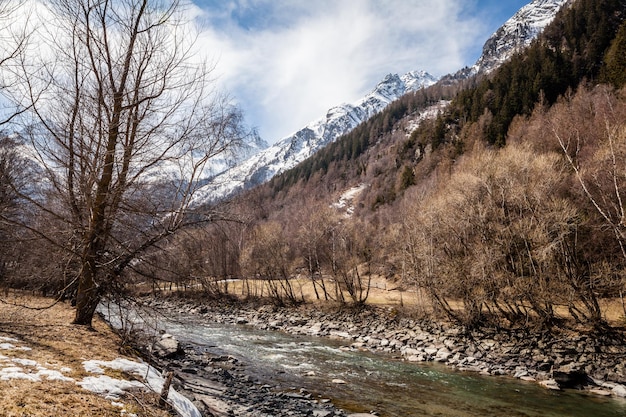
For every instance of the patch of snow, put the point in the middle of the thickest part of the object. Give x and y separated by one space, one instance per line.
93 367
15 372
346 199
427 114
153 380
10 346
7 339
24 362
52 375
112 388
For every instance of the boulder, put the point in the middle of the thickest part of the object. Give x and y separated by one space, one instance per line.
166 347
550 384
616 389
570 376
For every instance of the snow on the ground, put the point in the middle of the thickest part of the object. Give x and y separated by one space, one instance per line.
28 369
10 346
346 199
148 377
153 380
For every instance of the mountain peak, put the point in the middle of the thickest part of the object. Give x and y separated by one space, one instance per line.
517 33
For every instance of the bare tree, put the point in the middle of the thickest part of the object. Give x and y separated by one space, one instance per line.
313 231
600 175
495 236
590 130
125 122
267 258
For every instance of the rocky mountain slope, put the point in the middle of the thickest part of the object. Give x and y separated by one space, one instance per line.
517 33
294 149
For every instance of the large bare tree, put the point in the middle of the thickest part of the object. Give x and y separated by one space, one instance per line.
125 122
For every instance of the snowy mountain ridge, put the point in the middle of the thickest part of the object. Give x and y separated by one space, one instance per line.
290 151
516 33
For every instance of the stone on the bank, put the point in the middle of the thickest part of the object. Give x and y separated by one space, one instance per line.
619 391
519 373
166 347
315 329
570 376
338 381
550 384
336 334
431 350
601 392
442 355
410 352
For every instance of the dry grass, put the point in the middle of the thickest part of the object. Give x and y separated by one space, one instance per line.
57 344
385 293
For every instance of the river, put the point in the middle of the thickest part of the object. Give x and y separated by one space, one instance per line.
379 382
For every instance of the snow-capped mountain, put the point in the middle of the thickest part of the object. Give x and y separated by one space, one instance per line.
513 36
517 33
292 150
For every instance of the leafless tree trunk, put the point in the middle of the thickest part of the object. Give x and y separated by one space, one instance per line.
124 125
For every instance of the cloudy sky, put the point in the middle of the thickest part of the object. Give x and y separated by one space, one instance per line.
285 62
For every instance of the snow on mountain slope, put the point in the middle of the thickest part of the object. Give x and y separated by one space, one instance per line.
517 33
294 149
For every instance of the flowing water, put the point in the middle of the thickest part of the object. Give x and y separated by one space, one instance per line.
377 382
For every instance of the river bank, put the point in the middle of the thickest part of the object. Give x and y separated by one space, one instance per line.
595 363
220 386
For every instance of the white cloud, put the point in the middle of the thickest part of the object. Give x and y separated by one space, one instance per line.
300 58
287 61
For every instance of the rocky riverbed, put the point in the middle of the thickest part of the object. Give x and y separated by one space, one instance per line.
565 360
219 386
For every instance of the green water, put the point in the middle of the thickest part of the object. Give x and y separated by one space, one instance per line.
380 383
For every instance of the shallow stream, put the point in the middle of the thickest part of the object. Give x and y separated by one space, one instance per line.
381 383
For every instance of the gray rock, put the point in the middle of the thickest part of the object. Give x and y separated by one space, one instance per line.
166 347
570 376
550 384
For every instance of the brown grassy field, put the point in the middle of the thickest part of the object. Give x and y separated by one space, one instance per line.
56 344
385 293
